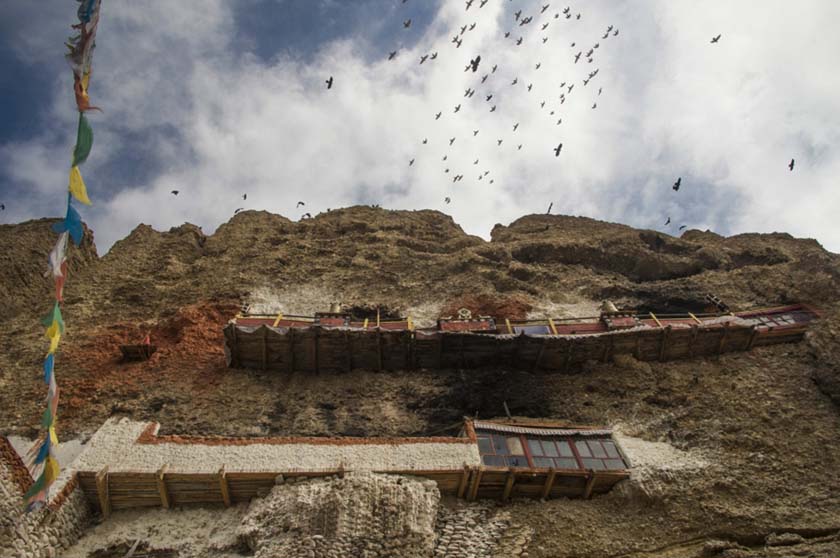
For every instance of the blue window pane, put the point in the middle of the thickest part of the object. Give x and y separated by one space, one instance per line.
493 460
543 462
535 447
517 461
500 445
565 463
484 445
597 449
582 448
614 464
594 464
565 449
550 448
612 451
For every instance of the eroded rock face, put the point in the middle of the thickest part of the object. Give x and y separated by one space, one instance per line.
367 515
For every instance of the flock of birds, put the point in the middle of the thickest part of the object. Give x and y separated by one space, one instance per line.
522 24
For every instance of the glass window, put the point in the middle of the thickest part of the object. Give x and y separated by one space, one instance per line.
517 461
597 449
514 444
550 448
499 445
612 451
614 464
565 449
543 462
493 460
484 445
565 463
595 464
535 447
582 448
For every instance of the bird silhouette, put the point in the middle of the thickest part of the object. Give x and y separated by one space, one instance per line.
174 192
493 108
545 40
610 28
329 82
235 211
489 97
559 121
544 26
519 41
447 200
566 10
577 56
407 23
615 33
530 85
475 133
423 58
683 226
500 142
458 43
446 170
244 196
519 147
599 90
425 141
472 26
437 116
300 203
557 150
481 4
549 208
515 126
410 163
515 81
493 69
585 82
433 56
474 63
544 8
451 141
507 34
538 65
517 14
677 184
790 165
572 86
715 39
577 16
542 105
606 35
306 216
469 3
445 157
475 162
392 55
484 78
668 222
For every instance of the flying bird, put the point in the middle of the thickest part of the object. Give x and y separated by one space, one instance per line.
677 184
577 16
594 106
566 10
446 199
475 162
515 81
790 165
668 222
484 78
549 208
519 41
715 39
586 82
458 43
174 192
577 56
433 56
544 26
599 90
493 108
392 55
451 141
407 23
472 26
411 162
517 14
423 58
437 116
545 40
606 35
571 87
559 121
515 126
538 65
445 157
682 227
475 133
500 142
474 63
463 29
519 147
489 97
615 33
481 4
425 141
507 34
300 203
557 150
542 105
329 82
244 196
469 3
493 69
544 8
530 85
306 216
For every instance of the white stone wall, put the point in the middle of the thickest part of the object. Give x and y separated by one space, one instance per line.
114 444
43 533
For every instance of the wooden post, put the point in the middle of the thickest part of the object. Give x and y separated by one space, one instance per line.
315 347
694 331
590 483
549 483
723 337
279 317
511 478
465 477
291 349
378 343
551 325
663 348
102 489
475 483
655 319
693 317
161 486
507 323
753 336
223 486
264 347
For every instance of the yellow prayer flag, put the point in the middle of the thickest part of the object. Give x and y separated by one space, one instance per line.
77 186
51 470
53 435
54 343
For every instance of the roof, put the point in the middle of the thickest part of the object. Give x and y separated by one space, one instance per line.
540 431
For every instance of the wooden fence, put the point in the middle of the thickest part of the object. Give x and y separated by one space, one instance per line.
107 492
324 349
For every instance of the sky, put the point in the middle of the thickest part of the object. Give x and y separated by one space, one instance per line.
221 99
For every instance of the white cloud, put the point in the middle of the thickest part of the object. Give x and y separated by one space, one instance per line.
726 117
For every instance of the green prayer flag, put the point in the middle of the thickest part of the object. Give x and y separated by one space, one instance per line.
46 418
36 487
84 141
54 317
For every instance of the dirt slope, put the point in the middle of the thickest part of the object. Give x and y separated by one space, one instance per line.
765 424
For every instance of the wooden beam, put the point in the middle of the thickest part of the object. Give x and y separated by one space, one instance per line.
161 486
549 483
102 489
551 325
264 347
693 317
507 323
223 486
511 478
655 319
465 478
590 483
475 483
279 317
723 337
663 347
753 336
364 325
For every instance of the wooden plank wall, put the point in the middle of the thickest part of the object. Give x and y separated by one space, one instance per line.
107 492
332 350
